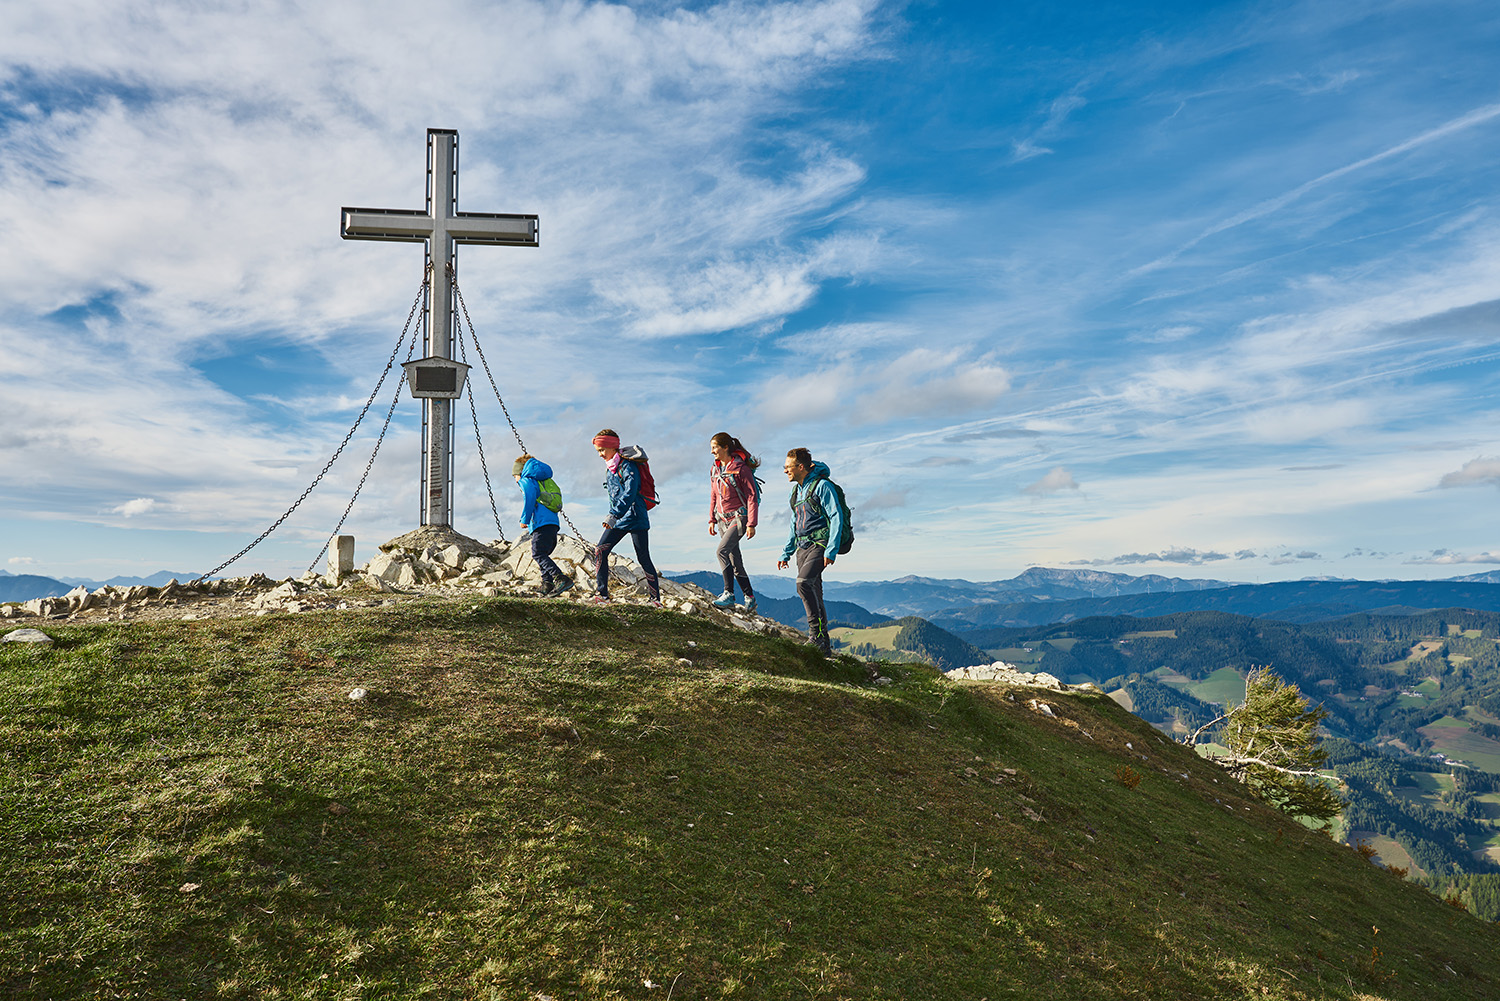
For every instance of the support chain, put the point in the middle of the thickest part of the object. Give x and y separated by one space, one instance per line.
592 556
396 398
478 441
421 294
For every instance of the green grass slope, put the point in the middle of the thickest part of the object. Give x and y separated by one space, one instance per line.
548 801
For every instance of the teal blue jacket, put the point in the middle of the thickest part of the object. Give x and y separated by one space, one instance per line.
816 516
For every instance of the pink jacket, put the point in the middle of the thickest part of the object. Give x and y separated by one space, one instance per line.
731 488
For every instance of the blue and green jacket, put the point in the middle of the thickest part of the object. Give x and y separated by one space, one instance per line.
533 514
816 517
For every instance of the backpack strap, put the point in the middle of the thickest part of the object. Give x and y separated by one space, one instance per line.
723 473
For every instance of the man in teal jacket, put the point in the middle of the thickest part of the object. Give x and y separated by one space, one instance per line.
816 518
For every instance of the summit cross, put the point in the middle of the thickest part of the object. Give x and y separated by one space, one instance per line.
442 228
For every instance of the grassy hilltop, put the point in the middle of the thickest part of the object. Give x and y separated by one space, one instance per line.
547 801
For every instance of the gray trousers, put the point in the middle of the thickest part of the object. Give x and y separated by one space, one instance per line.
731 531
810 589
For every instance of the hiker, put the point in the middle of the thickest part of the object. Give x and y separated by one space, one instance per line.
627 473
733 510
818 524
542 501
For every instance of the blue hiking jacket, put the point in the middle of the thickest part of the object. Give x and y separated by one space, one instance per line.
816 516
625 504
533 514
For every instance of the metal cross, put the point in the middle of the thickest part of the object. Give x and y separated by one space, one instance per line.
442 227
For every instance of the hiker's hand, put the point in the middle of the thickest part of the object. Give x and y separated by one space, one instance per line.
827 562
750 532
712 530
781 564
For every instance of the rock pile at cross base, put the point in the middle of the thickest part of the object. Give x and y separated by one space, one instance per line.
433 560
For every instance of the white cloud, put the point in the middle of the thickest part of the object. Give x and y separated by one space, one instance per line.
1185 555
131 508
1443 558
1476 471
1057 479
21 561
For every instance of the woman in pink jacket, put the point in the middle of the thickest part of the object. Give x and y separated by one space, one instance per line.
733 510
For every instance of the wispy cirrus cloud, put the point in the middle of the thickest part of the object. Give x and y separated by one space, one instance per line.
1446 558
1058 111
1184 555
1188 556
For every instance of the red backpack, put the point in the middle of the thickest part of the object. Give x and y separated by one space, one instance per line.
637 455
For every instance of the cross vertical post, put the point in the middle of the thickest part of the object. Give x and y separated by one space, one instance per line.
442 228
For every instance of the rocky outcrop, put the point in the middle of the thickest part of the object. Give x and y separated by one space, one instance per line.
438 538
1007 674
431 560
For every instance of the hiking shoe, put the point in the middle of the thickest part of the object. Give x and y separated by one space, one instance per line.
599 599
725 600
656 603
749 606
559 586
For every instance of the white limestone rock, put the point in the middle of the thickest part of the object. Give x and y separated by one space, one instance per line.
674 588
78 599
569 548
279 597
27 636
1006 674
41 607
386 566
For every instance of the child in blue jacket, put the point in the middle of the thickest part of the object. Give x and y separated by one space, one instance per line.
541 521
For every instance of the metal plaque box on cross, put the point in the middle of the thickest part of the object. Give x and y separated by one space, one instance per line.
436 378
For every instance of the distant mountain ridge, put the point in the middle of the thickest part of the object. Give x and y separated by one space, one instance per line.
925 596
1287 601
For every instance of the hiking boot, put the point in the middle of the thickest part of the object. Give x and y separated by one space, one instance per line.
749 606
656 603
559 586
725 600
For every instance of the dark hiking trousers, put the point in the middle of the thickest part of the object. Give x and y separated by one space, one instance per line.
810 590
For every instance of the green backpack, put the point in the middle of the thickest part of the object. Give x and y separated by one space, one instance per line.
846 538
549 495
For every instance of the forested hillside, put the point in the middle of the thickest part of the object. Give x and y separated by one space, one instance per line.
1414 704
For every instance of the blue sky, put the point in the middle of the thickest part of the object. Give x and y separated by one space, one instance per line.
1200 289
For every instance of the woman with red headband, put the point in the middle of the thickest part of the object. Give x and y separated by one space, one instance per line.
627 515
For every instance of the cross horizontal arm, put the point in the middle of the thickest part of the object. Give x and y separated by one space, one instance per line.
414 226
404 225
494 227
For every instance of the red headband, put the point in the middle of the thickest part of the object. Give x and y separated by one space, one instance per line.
607 440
